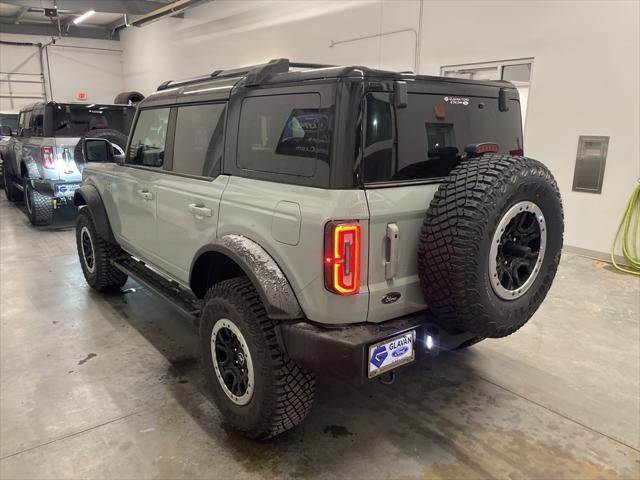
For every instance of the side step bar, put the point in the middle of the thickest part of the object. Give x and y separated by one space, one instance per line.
180 298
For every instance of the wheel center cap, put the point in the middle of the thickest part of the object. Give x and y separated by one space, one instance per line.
240 358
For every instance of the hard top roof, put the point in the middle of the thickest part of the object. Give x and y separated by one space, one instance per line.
31 106
283 71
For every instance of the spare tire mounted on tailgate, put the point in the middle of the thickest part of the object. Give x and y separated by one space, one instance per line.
490 244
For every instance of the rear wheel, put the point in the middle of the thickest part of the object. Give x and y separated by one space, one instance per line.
38 205
490 244
95 254
259 390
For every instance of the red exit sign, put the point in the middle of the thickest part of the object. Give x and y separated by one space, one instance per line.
81 96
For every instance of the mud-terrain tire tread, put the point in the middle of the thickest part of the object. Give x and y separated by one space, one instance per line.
123 98
41 212
293 389
106 276
451 236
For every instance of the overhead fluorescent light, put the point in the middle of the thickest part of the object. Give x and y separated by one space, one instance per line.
83 17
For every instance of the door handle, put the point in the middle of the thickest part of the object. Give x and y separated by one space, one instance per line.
200 210
145 194
391 260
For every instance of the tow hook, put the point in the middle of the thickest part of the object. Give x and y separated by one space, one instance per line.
387 378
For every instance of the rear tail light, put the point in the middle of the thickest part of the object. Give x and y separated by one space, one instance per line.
342 257
46 155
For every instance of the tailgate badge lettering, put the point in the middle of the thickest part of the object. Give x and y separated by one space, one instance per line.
457 100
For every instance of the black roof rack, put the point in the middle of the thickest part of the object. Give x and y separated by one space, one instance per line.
255 75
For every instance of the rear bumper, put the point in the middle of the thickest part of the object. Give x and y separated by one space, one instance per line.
54 188
343 351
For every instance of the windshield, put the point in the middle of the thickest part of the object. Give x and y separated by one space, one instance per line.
9 120
77 120
427 138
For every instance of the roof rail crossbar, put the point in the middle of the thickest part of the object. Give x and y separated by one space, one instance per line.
258 74
310 65
171 83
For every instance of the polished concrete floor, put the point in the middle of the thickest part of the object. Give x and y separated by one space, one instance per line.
98 386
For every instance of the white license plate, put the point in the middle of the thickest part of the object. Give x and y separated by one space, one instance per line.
391 353
67 190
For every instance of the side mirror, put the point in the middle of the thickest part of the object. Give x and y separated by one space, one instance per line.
6 130
97 150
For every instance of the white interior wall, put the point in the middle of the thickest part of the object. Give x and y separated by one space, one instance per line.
226 34
76 65
585 79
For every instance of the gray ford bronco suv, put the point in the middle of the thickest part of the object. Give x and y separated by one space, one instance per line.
42 160
319 218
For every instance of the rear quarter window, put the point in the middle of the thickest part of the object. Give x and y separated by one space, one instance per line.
283 134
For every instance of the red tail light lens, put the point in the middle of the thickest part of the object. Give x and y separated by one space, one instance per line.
46 154
342 257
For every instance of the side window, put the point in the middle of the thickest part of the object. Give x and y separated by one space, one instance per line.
26 126
284 134
20 123
379 145
199 139
37 123
149 137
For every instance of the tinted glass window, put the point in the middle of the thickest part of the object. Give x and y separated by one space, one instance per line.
199 139
428 137
37 123
284 134
10 121
149 138
26 131
76 120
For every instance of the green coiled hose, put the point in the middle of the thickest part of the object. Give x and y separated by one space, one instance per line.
629 228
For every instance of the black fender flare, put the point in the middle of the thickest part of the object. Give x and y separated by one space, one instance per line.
88 195
272 285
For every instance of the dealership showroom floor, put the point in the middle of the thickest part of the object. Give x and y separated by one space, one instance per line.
109 387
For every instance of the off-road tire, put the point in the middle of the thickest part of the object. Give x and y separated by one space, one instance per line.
283 392
124 98
104 276
114 136
39 207
13 194
458 229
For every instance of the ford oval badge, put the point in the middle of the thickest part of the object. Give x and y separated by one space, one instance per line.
391 297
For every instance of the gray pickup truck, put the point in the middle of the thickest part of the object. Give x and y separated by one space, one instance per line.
41 160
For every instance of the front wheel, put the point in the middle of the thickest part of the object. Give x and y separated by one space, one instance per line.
95 254
258 389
